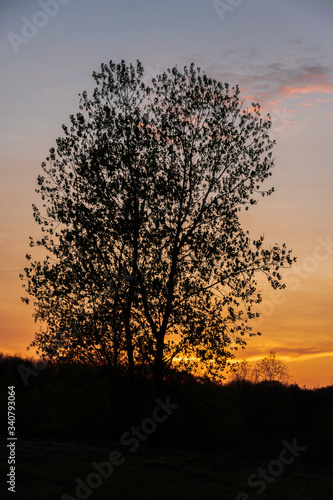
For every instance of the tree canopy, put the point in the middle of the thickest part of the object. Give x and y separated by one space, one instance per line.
147 262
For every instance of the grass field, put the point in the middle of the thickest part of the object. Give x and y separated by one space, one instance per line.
47 469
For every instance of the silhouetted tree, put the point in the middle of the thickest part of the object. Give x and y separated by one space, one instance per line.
147 260
242 371
270 368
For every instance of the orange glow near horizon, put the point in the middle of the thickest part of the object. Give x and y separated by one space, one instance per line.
308 366
278 53
296 323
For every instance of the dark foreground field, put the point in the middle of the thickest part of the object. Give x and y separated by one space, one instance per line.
47 470
201 440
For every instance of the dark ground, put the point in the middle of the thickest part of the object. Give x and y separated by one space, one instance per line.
218 438
47 469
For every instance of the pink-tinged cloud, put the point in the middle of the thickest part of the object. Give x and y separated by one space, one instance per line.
324 100
319 88
276 83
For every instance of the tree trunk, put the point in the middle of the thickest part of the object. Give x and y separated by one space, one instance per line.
131 369
159 368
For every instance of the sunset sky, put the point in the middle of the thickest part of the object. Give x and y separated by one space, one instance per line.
280 52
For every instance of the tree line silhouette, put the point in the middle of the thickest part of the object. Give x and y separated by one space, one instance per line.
71 400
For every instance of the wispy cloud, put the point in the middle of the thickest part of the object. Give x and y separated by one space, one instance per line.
275 83
308 80
280 81
295 353
307 357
